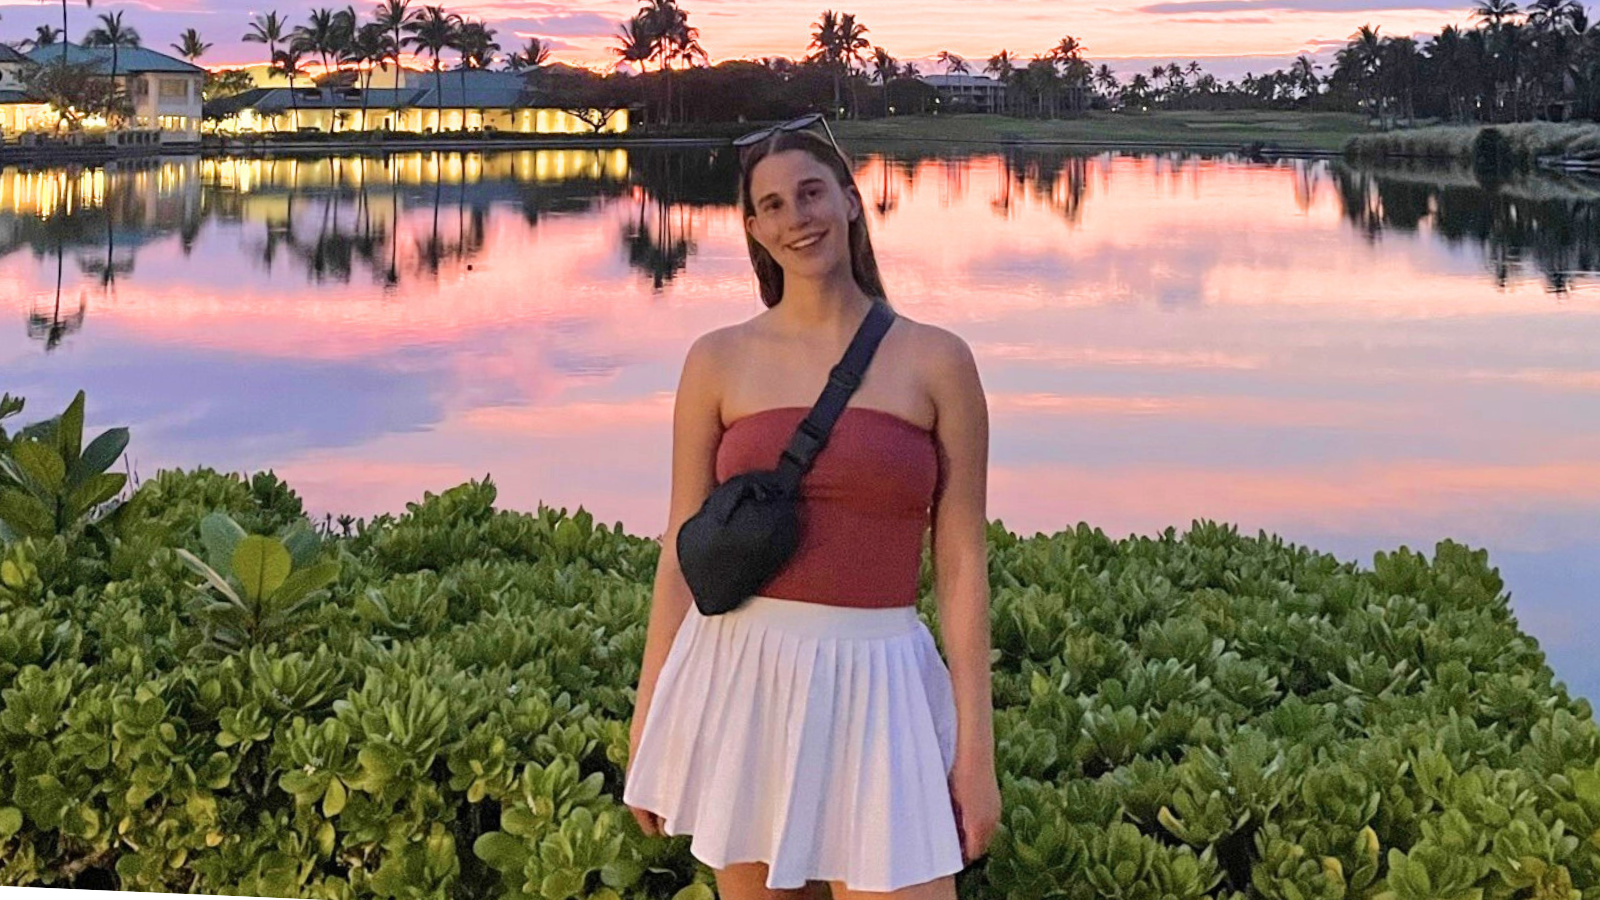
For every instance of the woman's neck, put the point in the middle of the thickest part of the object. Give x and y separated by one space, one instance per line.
833 304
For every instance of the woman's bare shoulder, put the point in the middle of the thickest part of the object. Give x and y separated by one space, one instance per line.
938 351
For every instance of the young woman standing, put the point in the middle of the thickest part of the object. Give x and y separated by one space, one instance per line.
813 735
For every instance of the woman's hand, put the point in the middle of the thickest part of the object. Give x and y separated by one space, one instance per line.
975 794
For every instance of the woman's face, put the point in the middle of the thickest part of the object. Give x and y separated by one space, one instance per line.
802 215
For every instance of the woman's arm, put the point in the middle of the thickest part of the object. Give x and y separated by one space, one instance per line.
960 548
696 430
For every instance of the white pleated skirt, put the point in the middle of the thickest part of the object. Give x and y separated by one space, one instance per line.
817 739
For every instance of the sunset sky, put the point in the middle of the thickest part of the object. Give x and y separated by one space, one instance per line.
1228 37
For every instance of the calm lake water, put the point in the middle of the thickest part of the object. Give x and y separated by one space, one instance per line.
1352 360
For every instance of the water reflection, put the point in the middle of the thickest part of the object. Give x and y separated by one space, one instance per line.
387 220
1547 222
1349 358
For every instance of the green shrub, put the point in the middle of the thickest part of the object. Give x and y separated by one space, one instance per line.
212 699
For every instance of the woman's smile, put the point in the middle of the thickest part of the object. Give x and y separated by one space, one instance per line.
809 242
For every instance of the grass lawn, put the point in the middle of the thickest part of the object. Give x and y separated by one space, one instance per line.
1288 130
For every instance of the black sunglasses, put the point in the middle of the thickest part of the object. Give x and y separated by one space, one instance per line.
745 142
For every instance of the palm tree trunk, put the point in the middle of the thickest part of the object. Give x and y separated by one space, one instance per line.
438 100
112 96
667 72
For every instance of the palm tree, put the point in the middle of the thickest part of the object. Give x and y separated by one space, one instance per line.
1003 66
1138 89
1364 57
1448 52
1495 12
111 33
289 62
318 35
63 32
632 45
825 47
477 45
369 48
533 55
435 31
1076 71
270 30
1304 75
1043 79
666 27
43 36
885 67
392 16
838 39
343 36
190 46
953 64
852 44
1106 80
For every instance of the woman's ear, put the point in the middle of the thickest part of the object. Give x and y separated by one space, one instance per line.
853 194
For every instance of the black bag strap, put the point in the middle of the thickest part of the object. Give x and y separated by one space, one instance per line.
843 379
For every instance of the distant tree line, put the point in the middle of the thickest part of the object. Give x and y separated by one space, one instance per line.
1512 65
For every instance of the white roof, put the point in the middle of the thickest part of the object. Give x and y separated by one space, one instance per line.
960 80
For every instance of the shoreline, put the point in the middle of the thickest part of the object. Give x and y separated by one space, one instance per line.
1252 134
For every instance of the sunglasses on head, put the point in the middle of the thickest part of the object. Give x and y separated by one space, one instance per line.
745 142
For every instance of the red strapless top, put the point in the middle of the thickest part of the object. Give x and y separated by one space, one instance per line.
864 505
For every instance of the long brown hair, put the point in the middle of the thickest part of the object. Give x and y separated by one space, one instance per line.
863 264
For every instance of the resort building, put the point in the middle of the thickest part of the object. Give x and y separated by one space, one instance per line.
19 111
469 100
164 91
973 93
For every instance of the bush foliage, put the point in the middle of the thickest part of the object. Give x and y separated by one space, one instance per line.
199 693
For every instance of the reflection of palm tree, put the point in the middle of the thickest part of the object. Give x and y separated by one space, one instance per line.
662 251
120 205
392 276
1002 203
888 198
53 328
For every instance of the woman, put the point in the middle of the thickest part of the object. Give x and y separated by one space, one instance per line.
813 735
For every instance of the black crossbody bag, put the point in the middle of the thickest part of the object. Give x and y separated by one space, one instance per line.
748 527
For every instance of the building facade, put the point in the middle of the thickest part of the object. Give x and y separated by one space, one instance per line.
19 110
471 100
164 91
974 93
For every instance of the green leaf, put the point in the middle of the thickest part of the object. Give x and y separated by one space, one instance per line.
302 544
25 514
69 431
10 822
379 763
561 884
210 575
334 799
99 456
502 852
303 582
97 490
41 464
695 892
221 536
262 565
